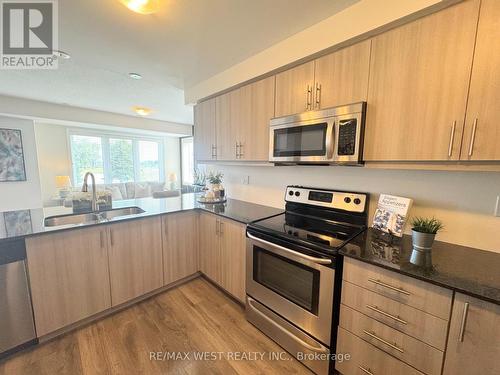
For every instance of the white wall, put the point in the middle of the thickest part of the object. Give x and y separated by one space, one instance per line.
23 194
464 201
54 156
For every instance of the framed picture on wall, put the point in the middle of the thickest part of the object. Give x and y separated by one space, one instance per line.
12 166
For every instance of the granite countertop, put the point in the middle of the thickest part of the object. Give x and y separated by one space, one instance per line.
23 223
463 269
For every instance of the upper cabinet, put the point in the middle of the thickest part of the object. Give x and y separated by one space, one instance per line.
205 147
419 79
294 90
482 128
342 77
335 79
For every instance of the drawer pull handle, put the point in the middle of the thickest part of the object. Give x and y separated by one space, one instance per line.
396 318
372 335
464 321
365 370
378 282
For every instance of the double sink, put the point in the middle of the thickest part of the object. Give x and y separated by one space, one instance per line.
91 217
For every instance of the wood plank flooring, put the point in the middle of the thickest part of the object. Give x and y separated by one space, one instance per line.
192 318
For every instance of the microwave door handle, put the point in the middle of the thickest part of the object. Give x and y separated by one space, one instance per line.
291 252
330 140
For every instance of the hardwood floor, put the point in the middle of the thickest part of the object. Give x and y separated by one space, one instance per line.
192 318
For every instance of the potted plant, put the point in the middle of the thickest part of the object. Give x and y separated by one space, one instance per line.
423 233
215 180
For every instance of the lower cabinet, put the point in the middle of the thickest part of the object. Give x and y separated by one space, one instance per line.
222 253
180 246
69 277
474 339
135 258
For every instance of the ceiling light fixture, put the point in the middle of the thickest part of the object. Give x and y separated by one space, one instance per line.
135 75
60 54
142 111
142 6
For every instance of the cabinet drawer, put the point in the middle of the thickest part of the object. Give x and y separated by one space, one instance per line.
366 359
412 351
412 292
418 324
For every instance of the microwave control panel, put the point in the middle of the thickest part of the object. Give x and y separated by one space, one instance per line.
347 137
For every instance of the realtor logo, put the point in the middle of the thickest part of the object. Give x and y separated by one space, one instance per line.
28 34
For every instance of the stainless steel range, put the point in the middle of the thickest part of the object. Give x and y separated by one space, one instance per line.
294 276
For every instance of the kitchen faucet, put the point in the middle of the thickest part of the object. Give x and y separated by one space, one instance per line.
85 189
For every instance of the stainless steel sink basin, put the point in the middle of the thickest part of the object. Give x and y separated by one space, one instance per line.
91 218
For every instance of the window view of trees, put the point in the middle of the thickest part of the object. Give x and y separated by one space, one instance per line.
116 159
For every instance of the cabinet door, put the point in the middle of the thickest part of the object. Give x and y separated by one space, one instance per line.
68 276
291 89
209 247
180 246
419 75
483 107
342 77
474 339
135 258
227 119
233 247
204 130
256 109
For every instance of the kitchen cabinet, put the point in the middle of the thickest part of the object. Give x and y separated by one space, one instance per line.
135 258
482 132
473 342
294 90
69 277
232 249
222 253
227 123
209 252
342 76
205 144
180 246
419 79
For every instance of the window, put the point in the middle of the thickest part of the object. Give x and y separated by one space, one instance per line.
187 158
116 158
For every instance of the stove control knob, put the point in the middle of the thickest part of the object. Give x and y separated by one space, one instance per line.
290 192
347 200
357 201
297 193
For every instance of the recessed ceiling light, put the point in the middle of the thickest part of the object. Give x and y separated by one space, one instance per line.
142 111
135 75
61 54
142 6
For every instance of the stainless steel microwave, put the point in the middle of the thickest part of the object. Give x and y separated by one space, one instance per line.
329 136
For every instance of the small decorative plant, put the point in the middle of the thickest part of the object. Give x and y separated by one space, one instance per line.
199 177
215 178
426 225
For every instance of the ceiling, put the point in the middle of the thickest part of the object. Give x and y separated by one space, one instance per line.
187 42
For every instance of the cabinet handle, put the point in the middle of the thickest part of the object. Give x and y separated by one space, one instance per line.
396 318
101 238
217 227
318 94
214 152
452 138
241 150
464 321
221 226
378 282
472 137
307 97
237 153
365 370
372 335
111 237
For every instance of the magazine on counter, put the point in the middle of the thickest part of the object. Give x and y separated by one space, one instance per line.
391 214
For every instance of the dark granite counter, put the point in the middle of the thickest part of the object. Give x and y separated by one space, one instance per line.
23 223
463 269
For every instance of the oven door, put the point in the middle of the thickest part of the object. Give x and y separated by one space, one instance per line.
297 286
309 141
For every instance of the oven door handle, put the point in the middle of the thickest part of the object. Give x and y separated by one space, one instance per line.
291 252
319 349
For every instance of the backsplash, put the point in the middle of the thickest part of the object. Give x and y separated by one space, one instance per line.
464 201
